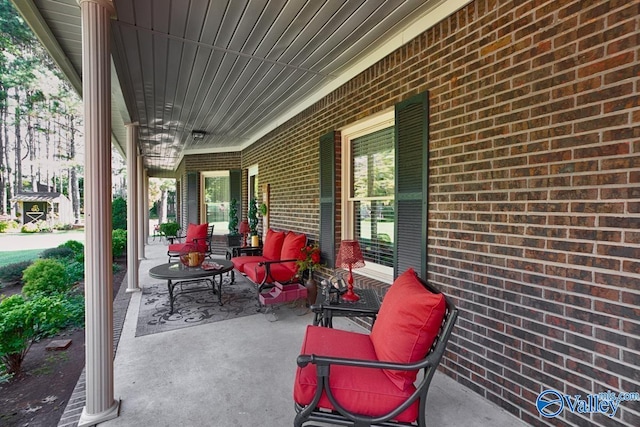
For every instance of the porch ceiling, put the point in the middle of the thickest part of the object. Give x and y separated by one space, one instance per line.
234 69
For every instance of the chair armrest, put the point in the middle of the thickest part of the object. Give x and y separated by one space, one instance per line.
325 361
267 264
172 238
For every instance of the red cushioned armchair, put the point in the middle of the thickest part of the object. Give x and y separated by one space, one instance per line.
198 235
277 262
349 378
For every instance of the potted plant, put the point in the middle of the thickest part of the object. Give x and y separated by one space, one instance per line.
309 260
253 220
234 238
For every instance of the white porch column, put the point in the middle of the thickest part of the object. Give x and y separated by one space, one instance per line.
145 205
96 87
132 207
141 203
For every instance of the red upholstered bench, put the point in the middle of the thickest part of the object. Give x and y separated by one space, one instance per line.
350 378
277 262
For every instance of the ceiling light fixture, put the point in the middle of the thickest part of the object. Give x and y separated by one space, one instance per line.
198 134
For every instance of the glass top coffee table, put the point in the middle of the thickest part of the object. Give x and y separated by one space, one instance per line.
175 273
367 306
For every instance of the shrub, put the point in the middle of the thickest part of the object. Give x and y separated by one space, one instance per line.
76 247
24 320
63 227
75 271
8 225
119 242
58 253
46 276
5 376
169 228
30 227
119 214
12 273
44 227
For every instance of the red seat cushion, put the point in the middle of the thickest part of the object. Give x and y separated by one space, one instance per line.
273 244
366 391
408 322
240 262
278 272
291 247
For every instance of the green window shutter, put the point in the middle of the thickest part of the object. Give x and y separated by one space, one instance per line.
411 199
193 212
326 237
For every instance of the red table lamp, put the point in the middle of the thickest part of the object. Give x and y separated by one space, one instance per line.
350 256
244 230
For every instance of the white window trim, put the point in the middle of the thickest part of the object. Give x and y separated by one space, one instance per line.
203 176
252 171
363 127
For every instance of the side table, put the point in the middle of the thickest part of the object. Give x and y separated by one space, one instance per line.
367 306
234 251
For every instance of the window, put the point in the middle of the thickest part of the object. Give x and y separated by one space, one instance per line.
216 197
252 189
368 192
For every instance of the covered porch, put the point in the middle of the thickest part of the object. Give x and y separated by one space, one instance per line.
515 187
236 372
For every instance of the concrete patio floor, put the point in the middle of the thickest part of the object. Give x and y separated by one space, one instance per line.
240 372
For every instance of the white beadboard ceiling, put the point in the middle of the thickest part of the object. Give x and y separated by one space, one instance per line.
232 68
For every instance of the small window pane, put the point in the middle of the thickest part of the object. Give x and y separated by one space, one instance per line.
373 164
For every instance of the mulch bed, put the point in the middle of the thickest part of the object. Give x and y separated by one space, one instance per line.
38 396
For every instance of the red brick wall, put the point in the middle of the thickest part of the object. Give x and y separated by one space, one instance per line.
534 191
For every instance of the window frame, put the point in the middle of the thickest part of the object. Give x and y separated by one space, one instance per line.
369 125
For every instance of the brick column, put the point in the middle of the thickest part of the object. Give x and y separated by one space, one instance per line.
96 86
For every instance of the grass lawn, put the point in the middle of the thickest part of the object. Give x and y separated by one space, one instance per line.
18 256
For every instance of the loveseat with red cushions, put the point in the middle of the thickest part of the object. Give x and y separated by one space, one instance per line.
351 378
277 263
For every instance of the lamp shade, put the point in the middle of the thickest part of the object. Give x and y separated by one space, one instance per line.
349 255
244 227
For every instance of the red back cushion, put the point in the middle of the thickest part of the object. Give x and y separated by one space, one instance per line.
407 324
293 244
273 244
196 231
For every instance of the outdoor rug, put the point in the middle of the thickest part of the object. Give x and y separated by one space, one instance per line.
194 307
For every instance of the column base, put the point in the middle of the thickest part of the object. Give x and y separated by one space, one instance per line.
87 420
129 290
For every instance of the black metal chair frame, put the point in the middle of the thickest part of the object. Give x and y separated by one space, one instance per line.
340 416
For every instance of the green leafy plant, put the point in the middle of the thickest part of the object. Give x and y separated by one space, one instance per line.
253 217
119 214
233 217
76 247
8 225
169 228
44 227
5 376
30 227
45 276
75 271
24 320
58 253
118 242
12 273
63 227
